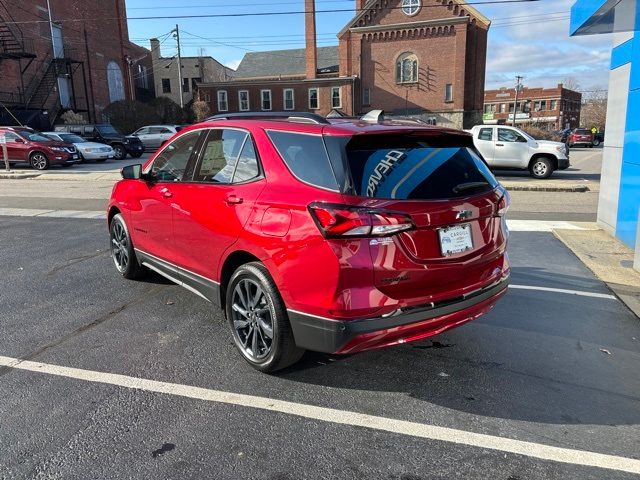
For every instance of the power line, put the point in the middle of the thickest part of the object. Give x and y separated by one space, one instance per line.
253 14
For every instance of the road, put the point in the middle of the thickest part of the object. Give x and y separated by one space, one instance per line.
93 195
537 369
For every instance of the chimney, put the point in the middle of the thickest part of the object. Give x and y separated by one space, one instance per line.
155 48
310 34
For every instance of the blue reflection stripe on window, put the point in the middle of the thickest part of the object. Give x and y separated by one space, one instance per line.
424 170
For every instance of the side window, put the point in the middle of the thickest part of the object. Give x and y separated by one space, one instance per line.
89 131
505 135
486 134
170 165
247 164
306 157
143 131
219 156
10 137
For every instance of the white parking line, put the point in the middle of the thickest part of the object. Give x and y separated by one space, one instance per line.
401 427
34 212
562 290
547 225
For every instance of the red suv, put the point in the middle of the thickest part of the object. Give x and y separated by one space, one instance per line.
334 236
25 145
580 136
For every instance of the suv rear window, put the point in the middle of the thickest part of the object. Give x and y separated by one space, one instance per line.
306 157
406 167
583 131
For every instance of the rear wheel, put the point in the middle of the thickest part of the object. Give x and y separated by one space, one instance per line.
596 142
122 252
259 321
119 152
39 161
541 168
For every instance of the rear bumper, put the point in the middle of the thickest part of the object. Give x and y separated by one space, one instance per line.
338 336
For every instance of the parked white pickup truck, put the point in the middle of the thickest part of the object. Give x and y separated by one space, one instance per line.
506 147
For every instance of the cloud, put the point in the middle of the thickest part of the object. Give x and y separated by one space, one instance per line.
233 64
535 43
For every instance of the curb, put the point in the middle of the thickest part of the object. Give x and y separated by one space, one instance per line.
535 188
18 176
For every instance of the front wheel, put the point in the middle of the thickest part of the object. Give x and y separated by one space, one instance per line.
258 319
39 161
122 252
119 152
541 168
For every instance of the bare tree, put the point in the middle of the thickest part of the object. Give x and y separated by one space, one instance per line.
594 109
571 83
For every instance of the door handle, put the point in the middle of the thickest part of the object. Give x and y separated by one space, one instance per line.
166 193
499 144
234 200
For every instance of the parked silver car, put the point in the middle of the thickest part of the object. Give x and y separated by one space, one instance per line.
98 152
152 136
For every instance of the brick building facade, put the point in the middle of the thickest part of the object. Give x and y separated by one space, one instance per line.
420 58
51 62
550 108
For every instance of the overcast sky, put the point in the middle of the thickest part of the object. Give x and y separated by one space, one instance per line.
530 39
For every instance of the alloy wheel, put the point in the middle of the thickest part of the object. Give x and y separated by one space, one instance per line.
39 161
119 152
540 169
119 246
252 320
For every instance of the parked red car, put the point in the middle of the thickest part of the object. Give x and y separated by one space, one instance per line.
580 136
25 145
334 237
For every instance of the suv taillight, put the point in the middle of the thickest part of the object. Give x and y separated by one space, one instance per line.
503 205
339 221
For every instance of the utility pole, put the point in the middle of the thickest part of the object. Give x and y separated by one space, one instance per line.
515 105
176 35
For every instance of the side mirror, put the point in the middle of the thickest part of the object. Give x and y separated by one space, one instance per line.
132 172
19 140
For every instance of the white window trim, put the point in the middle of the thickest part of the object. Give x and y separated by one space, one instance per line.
418 7
317 98
262 101
226 100
339 97
293 98
240 92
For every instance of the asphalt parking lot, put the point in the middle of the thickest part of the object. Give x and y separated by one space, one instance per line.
545 369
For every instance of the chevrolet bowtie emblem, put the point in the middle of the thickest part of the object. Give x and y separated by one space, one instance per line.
464 215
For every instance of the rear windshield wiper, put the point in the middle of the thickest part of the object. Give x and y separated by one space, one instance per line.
469 186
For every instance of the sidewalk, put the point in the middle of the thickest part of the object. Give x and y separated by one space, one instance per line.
609 259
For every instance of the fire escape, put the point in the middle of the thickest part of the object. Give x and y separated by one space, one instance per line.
47 75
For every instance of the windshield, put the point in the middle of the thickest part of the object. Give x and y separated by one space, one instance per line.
526 135
406 168
70 138
107 130
35 137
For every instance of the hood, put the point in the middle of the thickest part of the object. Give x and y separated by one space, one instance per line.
550 144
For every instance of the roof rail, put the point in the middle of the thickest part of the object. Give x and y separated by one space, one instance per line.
299 117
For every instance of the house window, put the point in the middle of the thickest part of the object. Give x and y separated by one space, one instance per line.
336 97
266 99
511 108
503 108
289 103
543 105
527 106
243 100
410 7
313 99
166 85
115 82
407 68
554 105
194 83
431 121
366 97
448 92
223 104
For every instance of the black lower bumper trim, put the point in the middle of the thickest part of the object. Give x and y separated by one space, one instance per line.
329 336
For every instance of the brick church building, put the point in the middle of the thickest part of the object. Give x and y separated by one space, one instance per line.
419 58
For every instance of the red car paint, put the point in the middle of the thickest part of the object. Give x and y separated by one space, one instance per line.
20 147
351 284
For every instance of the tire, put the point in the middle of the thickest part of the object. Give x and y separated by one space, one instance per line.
596 143
38 161
120 152
122 252
541 168
253 306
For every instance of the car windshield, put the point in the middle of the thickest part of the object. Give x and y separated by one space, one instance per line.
35 137
70 138
107 130
409 168
583 132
